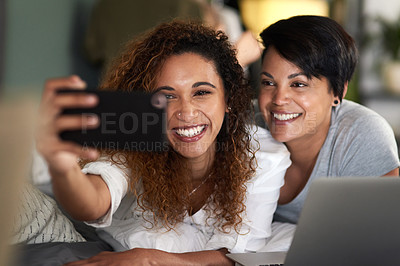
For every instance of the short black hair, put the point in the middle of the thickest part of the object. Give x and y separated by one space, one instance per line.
316 44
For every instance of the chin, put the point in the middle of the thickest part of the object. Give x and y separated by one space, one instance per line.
190 153
190 150
280 137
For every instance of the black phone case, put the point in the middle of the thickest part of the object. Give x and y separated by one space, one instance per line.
129 121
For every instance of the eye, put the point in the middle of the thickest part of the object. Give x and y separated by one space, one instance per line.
267 83
169 96
202 93
298 84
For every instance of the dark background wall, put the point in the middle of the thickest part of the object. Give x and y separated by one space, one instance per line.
42 40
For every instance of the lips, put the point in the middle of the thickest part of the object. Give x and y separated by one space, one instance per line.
284 117
190 133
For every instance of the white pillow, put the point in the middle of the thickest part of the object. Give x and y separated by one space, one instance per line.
39 220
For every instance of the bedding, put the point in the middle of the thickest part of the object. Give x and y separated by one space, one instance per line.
57 253
45 235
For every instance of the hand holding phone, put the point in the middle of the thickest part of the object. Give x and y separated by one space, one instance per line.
130 121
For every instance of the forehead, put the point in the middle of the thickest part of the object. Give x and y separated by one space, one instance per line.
184 70
187 63
274 61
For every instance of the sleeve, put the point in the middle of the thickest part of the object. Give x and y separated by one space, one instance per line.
368 147
220 240
262 193
116 179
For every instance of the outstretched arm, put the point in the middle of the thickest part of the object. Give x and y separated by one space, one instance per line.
85 197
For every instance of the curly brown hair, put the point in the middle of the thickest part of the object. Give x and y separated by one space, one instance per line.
164 177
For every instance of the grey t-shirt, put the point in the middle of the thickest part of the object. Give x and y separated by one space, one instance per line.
359 143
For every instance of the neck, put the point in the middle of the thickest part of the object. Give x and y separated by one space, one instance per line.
200 166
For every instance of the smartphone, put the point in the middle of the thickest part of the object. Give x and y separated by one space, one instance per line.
129 121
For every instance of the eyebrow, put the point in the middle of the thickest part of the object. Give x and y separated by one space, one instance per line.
168 88
296 75
289 77
267 74
201 83
195 85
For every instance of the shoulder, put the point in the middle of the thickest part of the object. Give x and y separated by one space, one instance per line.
350 113
360 141
114 174
105 166
273 158
266 145
352 122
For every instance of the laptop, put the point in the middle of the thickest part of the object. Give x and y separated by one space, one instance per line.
344 221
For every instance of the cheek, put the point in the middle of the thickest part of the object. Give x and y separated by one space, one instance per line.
308 101
316 109
263 103
169 115
264 99
215 113
169 112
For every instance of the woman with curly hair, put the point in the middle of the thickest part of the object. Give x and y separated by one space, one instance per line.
202 196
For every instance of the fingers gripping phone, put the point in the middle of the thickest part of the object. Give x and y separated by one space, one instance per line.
130 121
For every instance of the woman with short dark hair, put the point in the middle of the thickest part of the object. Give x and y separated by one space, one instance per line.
307 65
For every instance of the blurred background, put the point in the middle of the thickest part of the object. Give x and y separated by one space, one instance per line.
51 38
42 39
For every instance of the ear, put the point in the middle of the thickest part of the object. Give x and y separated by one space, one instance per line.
336 99
346 85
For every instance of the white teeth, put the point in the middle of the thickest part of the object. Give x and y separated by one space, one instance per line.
194 131
284 117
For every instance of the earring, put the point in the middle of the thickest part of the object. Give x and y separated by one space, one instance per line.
336 102
229 108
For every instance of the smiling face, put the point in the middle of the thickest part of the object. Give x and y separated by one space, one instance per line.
295 108
196 104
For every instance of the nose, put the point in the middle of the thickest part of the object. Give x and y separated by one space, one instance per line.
187 111
281 96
